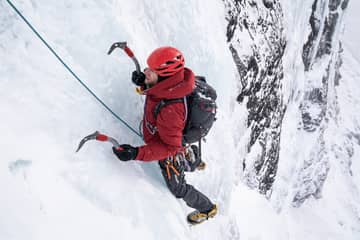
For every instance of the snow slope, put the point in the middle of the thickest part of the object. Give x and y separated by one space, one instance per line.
49 192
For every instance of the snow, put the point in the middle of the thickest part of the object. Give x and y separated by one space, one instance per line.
332 213
49 192
352 31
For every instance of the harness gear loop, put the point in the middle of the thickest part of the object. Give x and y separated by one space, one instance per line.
169 164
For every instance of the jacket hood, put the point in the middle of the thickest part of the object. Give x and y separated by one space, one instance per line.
176 86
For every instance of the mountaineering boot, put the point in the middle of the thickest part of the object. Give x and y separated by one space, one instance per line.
201 166
197 217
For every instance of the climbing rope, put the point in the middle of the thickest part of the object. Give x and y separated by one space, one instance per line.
69 69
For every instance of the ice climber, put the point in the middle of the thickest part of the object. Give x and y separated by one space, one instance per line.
167 78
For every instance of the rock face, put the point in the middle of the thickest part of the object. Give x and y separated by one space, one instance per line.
320 44
257 43
322 61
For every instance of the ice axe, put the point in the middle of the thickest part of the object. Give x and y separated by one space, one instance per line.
123 46
99 137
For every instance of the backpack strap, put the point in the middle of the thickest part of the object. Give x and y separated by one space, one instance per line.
166 102
199 156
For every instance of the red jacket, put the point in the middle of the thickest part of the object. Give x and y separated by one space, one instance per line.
163 135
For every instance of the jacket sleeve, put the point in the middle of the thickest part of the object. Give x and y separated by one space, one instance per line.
170 123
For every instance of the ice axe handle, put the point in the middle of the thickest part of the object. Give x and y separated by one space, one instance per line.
129 52
137 65
99 137
104 138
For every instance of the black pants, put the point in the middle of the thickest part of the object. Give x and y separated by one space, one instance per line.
180 189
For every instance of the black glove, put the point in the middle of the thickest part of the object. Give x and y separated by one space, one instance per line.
138 78
125 152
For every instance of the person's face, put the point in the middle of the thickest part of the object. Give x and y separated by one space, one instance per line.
151 77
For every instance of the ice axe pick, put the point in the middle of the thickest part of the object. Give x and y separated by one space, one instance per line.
123 46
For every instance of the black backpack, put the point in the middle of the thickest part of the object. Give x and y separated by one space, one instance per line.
201 107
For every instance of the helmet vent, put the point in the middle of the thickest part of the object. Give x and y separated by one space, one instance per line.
166 61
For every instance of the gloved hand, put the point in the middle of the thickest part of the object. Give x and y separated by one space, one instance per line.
125 152
138 78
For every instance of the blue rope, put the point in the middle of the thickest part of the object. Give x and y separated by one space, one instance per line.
69 69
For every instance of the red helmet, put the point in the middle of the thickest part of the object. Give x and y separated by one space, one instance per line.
166 61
